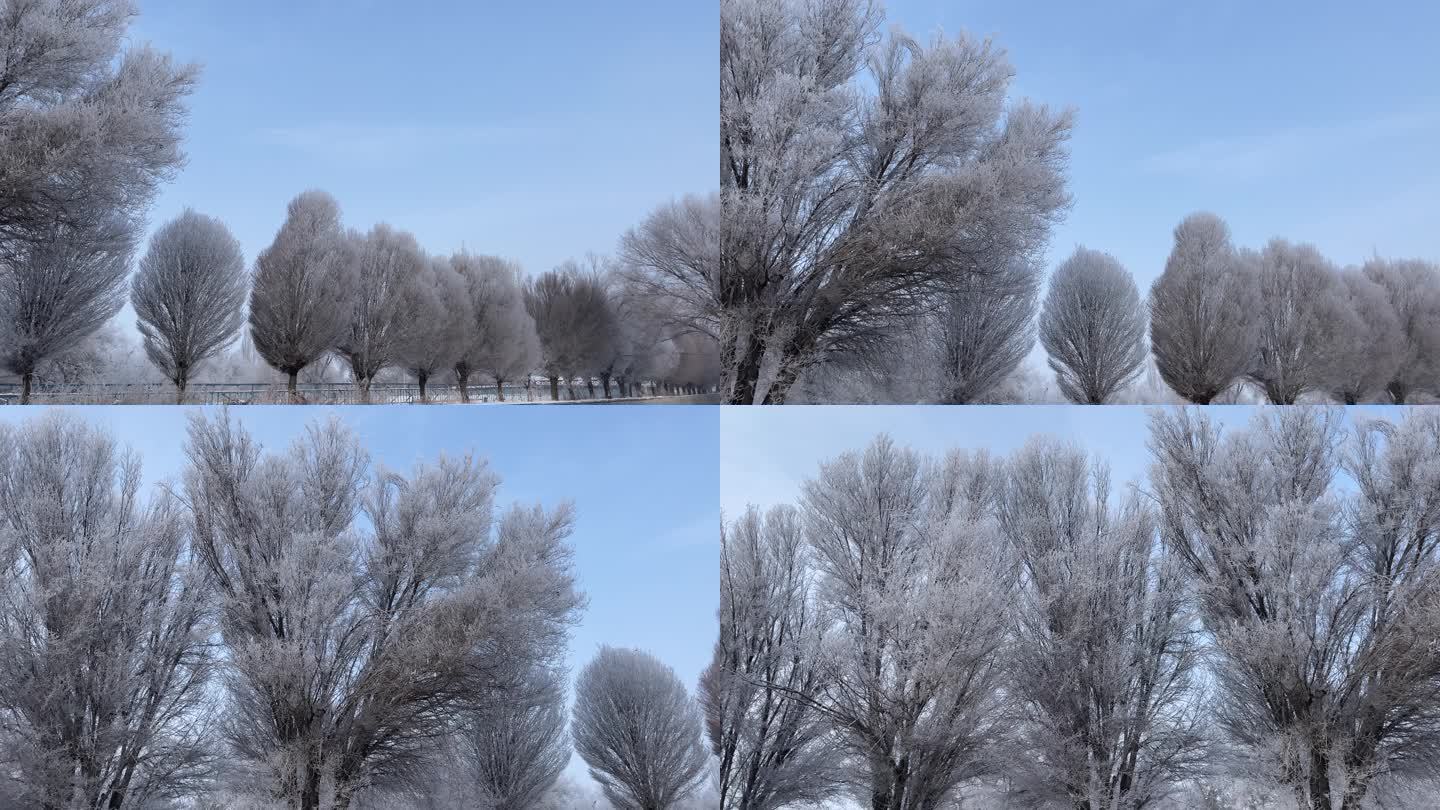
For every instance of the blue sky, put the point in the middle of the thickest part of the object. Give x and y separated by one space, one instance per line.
767 453
643 480
1316 121
536 131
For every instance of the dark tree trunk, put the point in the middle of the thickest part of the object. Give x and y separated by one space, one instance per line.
554 389
25 381
462 379
420 379
590 385
1319 779
499 389
290 383
747 372
1201 399
605 383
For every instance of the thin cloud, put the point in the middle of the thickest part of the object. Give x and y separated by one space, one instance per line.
369 143
1249 157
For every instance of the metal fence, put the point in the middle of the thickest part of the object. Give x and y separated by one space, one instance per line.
403 393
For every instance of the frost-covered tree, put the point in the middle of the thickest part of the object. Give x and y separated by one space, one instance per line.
104 628
362 611
437 309
983 330
56 292
916 589
860 175
1365 345
775 749
571 312
501 343
1413 288
385 263
638 730
1092 327
1106 651
1317 593
515 750
188 295
88 131
672 261
1202 330
299 295
1294 283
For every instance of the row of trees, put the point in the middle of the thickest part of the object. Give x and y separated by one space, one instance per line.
1262 609
88 133
302 629
1283 320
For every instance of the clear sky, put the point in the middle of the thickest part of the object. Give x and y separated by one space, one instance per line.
1316 121
767 453
643 480
533 130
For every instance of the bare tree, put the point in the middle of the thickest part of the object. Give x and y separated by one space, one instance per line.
57 292
516 750
1294 283
386 261
638 730
350 650
984 329
299 298
775 748
188 295
1106 649
846 208
1092 327
572 319
917 589
672 260
104 625
1202 330
1364 344
1413 288
501 342
437 310
90 131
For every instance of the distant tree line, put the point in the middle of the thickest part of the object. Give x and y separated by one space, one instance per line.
303 629
917 631
88 132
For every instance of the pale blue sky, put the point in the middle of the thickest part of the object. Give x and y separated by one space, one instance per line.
643 480
1314 120
767 453
533 130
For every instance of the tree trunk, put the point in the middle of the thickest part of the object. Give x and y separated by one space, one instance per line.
1398 391
554 389
1319 779
25 380
747 372
1350 398
499 389
420 379
605 384
180 391
462 379
290 381
1201 399
590 385
785 377
364 383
